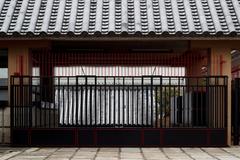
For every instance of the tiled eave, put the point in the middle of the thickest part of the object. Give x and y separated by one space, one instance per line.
180 19
58 37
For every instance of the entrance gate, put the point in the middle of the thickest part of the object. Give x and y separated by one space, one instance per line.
118 110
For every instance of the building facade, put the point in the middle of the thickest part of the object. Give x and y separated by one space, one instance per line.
96 48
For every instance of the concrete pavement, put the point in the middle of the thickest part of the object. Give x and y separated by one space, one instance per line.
232 153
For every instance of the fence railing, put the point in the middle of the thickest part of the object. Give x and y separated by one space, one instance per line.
90 101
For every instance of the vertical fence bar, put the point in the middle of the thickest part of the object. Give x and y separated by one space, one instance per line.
114 100
21 101
183 105
54 104
12 103
45 104
30 101
86 100
236 112
156 106
174 105
58 98
105 100
201 106
68 101
188 101
81 107
77 103
179 106
147 105
137 106
169 102
39 102
123 102
63 102
207 101
100 109
165 104
95 100
226 100
109 105
142 102
132 106
197 105
161 98
128 106
118 103
50 102
152 102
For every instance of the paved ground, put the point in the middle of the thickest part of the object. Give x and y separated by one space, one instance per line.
232 153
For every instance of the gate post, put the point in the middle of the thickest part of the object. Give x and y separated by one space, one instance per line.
236 113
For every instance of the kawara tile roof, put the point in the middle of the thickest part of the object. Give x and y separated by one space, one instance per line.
176 18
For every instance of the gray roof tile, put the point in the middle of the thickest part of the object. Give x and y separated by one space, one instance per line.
160 17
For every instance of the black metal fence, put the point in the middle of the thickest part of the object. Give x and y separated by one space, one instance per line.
115 102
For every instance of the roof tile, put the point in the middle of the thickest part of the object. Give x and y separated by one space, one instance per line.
158 17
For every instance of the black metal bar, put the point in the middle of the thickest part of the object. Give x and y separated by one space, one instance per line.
54 104
114 101
201 106
128 106
90 107
156 107
226 102
59 105
147 105
236 112
207 103
197 105
105 101
133 101
142 101
63 111
215 100
12 103
137 106
22 101
76 113
174 105
179 107
110 105
68 100
169 101
86 99
152 102
73 106
30 102
119 105
39 102
183 106
161 99
49 104
45 105
81 108
123 101
95 99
